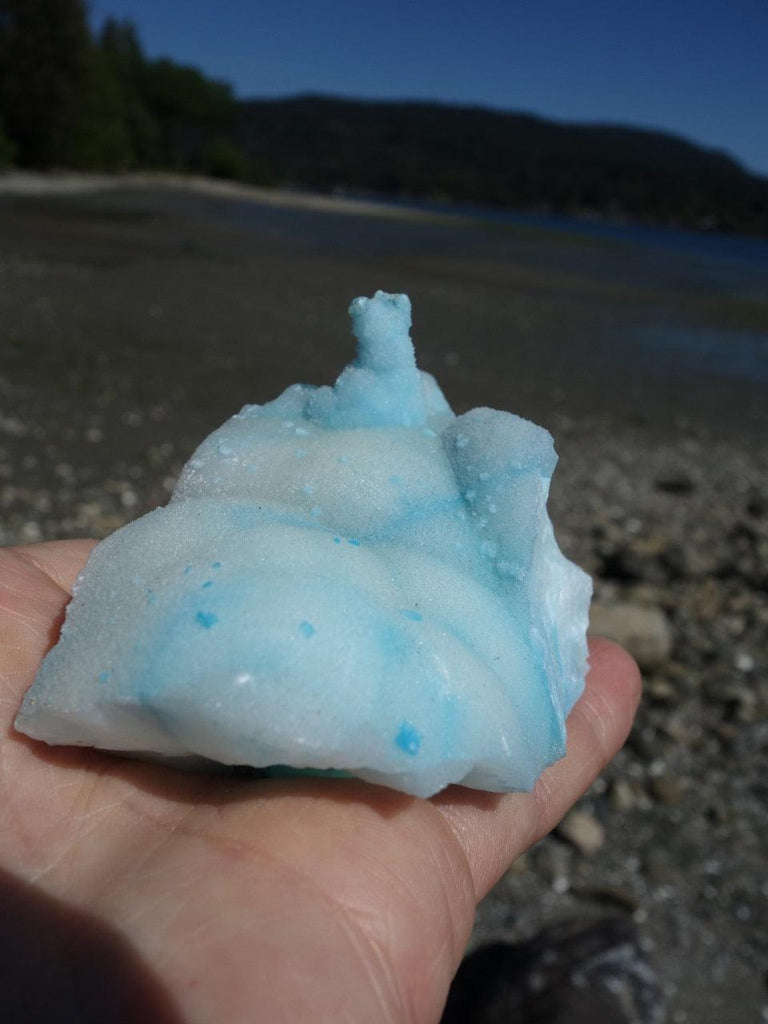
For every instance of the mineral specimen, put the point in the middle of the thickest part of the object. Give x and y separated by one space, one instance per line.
349 579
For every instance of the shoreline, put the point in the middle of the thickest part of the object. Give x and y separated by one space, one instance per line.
586 228
38 184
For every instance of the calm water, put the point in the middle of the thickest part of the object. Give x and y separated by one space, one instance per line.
710 244
726 274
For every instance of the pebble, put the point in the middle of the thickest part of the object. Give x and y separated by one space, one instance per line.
623 796
661 868
668 790
661 690
583 831
744 662
552 862
31 533
645 632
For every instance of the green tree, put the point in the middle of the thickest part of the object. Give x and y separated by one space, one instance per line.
7 150
58 97
121 47
175 115
189 109
100 137
222 159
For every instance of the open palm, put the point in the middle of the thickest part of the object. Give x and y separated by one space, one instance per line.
132 892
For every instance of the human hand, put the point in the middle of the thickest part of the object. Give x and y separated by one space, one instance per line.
133 892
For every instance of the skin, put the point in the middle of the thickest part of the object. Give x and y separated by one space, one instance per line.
246 900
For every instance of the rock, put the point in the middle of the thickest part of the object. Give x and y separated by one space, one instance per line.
739 700
608 896
552 863
623 795
668 789
660 867
674 725
645 632
708 601
662 690
744 662
684 561
641 560
757 505
31 532
675 483
571 974
583 831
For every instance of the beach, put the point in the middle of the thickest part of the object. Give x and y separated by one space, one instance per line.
137 315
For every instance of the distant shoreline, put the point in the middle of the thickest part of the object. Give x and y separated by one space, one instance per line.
588 230
39 184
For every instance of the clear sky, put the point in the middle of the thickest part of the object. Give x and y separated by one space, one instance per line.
695 67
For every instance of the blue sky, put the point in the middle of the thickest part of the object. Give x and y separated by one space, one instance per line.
695 67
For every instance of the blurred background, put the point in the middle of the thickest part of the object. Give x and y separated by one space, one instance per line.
575 196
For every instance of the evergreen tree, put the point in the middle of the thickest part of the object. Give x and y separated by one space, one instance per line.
174 113
58 97
7 150
120 46
189 108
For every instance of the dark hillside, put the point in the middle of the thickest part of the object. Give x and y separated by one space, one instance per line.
475 155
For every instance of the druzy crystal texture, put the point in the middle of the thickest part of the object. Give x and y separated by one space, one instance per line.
348 578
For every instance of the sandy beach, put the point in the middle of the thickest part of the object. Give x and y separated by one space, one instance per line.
136 315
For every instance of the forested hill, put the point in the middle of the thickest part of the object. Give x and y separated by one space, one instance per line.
480 156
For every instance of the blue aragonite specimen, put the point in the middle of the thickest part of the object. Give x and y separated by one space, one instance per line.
347 578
